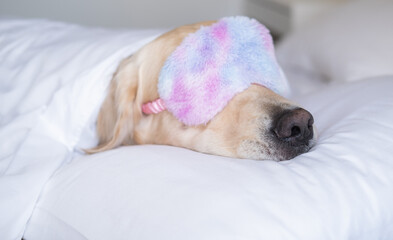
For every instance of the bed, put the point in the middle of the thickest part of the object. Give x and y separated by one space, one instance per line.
55 76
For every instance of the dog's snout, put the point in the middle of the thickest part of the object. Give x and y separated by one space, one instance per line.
294 126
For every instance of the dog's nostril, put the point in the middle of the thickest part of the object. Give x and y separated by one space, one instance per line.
294 126
295 131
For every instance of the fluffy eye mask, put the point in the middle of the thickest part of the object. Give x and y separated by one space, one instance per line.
214 64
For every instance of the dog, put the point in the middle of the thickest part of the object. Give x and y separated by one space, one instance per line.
256 124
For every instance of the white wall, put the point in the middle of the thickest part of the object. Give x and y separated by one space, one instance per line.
123 13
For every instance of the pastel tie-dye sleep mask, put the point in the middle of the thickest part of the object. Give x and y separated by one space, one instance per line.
212 65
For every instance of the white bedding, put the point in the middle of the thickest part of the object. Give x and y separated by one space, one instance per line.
341 189
54 78
348 44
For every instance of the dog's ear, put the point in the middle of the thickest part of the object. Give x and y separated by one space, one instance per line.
115 123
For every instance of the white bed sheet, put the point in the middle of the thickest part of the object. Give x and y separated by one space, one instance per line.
342 189
53 79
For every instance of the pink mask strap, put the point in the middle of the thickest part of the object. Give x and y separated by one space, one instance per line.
155 107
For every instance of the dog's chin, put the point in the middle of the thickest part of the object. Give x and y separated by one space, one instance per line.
288 153
280 153
272 149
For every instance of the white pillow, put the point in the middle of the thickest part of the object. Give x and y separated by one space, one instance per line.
347 44
341 189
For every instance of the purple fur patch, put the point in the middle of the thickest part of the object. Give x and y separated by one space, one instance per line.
215 63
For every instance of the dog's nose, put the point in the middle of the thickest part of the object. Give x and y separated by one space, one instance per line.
294 126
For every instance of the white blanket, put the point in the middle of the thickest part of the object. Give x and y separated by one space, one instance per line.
53 79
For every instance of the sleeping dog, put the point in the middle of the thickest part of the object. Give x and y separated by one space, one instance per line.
255 123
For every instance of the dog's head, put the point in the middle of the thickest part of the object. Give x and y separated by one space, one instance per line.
256 123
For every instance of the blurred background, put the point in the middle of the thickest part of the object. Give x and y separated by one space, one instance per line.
281 16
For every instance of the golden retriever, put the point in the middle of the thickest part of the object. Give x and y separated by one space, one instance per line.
256 124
